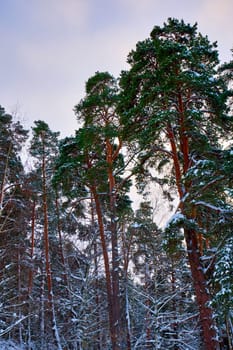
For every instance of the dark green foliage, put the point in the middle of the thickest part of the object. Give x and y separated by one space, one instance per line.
173 85
172 61
168 122
101 94
14 224
44 141
12 139
175 109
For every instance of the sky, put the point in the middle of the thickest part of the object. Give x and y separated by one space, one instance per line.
50 48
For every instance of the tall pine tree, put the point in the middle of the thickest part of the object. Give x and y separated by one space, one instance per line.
174 108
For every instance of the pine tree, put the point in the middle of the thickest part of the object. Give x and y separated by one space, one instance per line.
93 156
174 109
43 147
14 216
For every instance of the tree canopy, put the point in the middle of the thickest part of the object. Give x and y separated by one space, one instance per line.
85 265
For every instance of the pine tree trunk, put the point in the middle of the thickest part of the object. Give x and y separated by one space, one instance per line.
114 241
199 280
201 291
112 328
42 308
97 298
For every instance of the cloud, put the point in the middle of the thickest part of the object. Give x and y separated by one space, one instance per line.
141 7
216 10
61 13
215 19
51 48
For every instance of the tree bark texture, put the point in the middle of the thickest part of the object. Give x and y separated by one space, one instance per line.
191 237
201 292
112 327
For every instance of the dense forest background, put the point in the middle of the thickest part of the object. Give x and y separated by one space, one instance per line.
82 266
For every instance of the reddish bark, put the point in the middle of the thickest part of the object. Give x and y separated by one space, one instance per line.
201 291
175 159
191 238
112 276
107 268
114 240
184 142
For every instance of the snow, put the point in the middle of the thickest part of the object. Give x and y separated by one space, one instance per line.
213 207
58 279
10 345
177 217
136 225
184 197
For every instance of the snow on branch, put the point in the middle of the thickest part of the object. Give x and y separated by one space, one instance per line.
213 207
